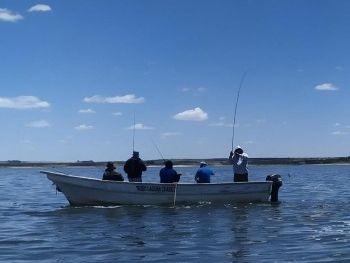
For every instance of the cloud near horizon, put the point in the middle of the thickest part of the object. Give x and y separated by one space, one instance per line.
165 135
84 127
87 111
340 133
326 86
8 16
196 114
129 98
40 8
38 124
140 126
23 103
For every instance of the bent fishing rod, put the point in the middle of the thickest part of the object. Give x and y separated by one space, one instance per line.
236 106
156 146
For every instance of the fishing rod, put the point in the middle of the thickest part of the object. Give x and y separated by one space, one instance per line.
160 153
237 99
133 135
156 146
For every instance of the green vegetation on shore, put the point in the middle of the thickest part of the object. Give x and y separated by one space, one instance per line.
212 161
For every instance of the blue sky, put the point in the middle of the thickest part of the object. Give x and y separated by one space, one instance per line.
74 74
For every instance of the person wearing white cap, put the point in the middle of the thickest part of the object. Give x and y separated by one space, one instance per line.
203 173
239 159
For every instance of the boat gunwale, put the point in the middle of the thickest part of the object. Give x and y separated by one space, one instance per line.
149 183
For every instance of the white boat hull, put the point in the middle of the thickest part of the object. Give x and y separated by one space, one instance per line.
82 191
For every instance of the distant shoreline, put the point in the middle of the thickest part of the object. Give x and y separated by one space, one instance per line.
190 162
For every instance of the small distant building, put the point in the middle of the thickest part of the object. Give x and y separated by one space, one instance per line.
14 162
90 162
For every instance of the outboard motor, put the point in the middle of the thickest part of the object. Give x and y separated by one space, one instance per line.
276 184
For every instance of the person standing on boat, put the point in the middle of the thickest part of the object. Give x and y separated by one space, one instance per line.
239 159
203 174
134 168
111 174
168 174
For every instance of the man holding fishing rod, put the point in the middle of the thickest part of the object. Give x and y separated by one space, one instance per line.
168 174
239 159
134 168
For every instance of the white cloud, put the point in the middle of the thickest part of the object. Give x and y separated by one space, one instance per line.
140 126
170 134
326 86
23 102
339 133
339 68
8 16
220 124
117 113
38 124
193 90
87 111
261 121
40 8
84 127
129 98
26 141
196 114
66 140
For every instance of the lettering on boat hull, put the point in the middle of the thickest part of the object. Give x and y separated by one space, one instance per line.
155 188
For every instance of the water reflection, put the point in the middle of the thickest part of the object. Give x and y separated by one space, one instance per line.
310 225
240 226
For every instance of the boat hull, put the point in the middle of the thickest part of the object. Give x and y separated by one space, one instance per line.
83 191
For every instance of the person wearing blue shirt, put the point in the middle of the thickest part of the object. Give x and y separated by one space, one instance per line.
167 174
203 173
239 159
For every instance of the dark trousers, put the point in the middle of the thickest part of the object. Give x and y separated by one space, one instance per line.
134 179
240 177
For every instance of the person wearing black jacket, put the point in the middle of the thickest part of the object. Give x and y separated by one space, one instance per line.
134 168
111 174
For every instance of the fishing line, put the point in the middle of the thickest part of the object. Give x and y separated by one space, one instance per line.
160 153
156 146
133 135
234 117
175 195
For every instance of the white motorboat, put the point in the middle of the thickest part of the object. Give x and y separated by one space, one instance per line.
85 191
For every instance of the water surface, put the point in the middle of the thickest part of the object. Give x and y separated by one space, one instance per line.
311 224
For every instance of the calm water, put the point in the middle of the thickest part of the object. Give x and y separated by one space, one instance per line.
311 224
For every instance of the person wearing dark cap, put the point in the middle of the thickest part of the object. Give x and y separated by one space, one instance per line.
239 159
111 174
134 168
168 174
203 174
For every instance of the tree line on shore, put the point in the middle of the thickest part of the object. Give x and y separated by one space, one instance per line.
210 161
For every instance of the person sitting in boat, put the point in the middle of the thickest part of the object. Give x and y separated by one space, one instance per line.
239 159
111 174
168 174
203 174
134 168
